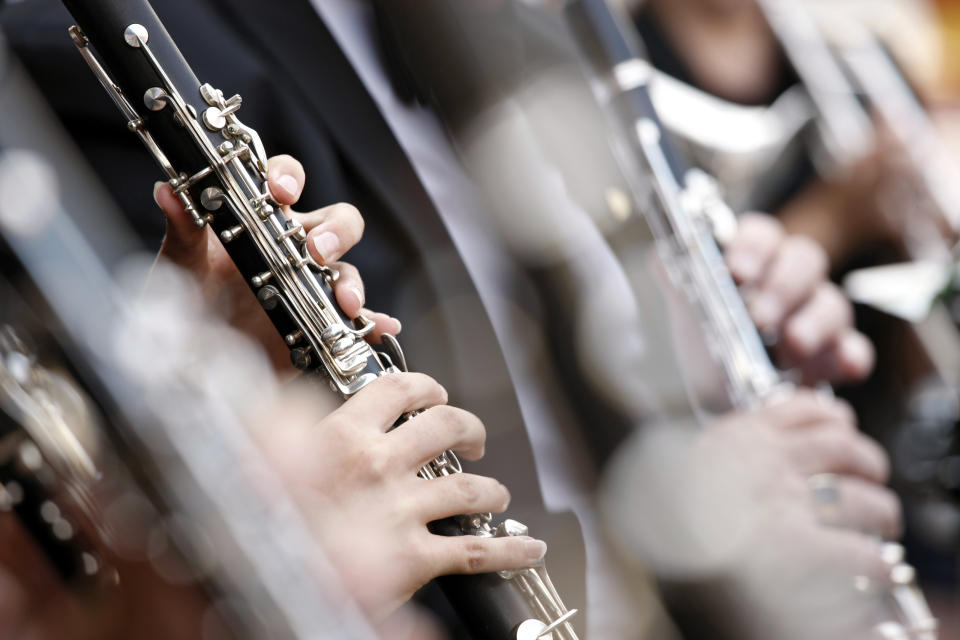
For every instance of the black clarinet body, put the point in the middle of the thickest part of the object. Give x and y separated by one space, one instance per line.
36 484
47 472
182 157
31 491
217 167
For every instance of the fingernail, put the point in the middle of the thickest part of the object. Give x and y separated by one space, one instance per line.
399 325
766 311
289 184
156 191
506 502
535 550
358 294
327 245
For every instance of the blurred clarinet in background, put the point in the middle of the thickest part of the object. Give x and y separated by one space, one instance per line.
851 81
690 222
861 97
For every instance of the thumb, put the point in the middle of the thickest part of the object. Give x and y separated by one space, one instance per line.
183 244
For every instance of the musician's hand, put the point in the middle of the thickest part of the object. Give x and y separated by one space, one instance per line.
736 520
355 478
332 231
818 435
784 279
801 555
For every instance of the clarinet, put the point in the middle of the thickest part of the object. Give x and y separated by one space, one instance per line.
879 80
864 76
846 131
217 168
690 221
175 444
47 468
50 455
834 78
216 516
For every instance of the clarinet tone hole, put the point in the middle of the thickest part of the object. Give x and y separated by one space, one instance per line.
155 99
301 358
135 35
531 630
211 198
213 119
269 298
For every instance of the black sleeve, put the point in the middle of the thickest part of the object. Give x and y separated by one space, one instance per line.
460 57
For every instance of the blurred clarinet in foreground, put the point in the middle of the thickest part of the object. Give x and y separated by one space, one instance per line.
166 476
690 221
217 167
50 448
47 471
215 514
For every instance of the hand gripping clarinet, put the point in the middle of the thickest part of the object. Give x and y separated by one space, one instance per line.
217 167
688 218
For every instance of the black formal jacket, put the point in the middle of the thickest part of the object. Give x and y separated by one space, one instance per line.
304 98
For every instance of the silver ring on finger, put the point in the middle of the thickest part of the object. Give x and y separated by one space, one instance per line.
825 489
